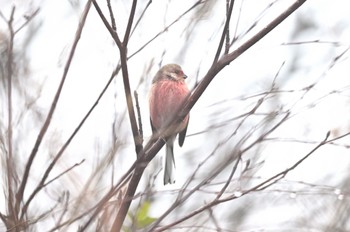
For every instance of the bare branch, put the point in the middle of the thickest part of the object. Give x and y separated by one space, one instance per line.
225 32
28 19
228 15
114 34
111 15
11 173
139 115
63 173
141 16
130 21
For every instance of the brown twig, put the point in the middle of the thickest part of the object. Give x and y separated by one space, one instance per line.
114 27
228 15
63 173
225 31
139 115
10 159
129 101
105 22
122 45
141 16
28 19
130 21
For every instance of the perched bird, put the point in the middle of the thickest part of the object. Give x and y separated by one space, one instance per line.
167 95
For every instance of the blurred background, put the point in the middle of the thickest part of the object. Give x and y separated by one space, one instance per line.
260 116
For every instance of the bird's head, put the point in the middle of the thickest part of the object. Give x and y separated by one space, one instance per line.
170 71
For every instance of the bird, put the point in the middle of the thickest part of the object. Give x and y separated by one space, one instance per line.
167 95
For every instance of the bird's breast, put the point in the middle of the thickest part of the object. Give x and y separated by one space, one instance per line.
166 98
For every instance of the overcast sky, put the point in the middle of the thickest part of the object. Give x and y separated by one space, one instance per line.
290 54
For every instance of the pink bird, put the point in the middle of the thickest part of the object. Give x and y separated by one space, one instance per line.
167 95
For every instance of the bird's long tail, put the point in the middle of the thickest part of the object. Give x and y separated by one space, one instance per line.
169 171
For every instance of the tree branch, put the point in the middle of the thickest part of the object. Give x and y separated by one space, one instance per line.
224 31
130 21
11 176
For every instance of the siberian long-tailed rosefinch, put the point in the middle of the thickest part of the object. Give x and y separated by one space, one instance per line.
167 95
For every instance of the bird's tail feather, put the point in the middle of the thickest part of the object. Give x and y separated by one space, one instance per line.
169 177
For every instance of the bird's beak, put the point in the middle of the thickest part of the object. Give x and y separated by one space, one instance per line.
184 76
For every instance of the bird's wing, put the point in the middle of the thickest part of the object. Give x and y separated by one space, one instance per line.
153 129
182 134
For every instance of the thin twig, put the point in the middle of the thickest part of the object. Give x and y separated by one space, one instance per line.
215 221
130 21
114 27
224 32
129 101
123 60
28 19
141 16
228 181
105 22
228 14
63 173
139 115
13 210
65 198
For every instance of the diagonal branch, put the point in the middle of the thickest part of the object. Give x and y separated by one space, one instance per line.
105 22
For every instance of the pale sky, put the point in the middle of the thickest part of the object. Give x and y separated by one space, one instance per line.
324 108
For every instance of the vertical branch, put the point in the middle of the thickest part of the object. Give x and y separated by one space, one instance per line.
141 16
114 27
123 60
227 44
134 128
129 101
138 115
122 45
224 31
105 22
10 159
130 21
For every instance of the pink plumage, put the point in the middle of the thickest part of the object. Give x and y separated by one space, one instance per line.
167 95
